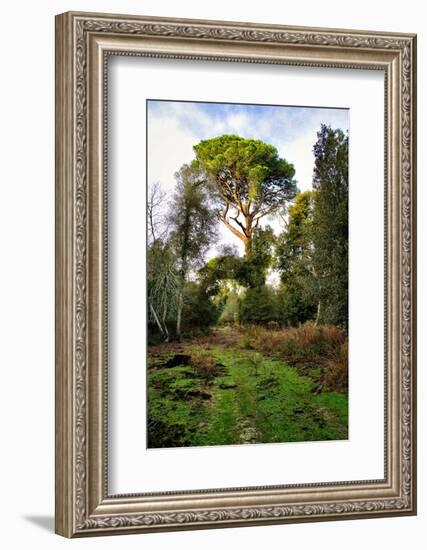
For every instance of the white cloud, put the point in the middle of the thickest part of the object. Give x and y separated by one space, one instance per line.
237 123
169 146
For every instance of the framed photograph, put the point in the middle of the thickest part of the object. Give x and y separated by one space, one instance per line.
235 274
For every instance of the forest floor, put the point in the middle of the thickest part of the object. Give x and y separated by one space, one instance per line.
210 391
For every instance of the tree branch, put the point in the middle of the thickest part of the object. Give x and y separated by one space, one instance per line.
236 232
242 227
265 211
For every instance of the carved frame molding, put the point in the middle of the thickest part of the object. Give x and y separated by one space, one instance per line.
83 43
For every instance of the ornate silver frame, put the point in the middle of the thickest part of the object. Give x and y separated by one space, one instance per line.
83 42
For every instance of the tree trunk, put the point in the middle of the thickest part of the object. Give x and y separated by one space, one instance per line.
246 231
165 326
179 312
159 324
247 243
318 314
248 234
180 304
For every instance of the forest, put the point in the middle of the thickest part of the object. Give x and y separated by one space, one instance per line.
248 341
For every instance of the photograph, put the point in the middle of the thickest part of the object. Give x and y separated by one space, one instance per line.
247 273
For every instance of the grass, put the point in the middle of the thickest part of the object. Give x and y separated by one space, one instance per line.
229 395
317 351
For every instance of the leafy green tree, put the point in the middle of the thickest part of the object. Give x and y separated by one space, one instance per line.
248 179
330 225
192 228
217 270
294 260
247 271
293 307
258 305
255 265
199 310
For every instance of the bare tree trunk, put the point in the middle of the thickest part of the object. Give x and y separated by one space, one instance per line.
165 326
248 234
180 304
247 243
318 314
159 324
153 235
179 312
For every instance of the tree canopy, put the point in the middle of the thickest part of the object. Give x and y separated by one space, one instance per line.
248 179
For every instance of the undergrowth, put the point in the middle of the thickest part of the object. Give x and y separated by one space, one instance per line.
320 351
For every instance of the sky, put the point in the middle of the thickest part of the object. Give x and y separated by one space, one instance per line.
175 126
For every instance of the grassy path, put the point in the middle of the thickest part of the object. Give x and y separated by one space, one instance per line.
254 400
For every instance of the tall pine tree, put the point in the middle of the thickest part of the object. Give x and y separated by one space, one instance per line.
330 225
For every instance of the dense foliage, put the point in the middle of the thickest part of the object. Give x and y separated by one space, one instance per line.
285 279
248 179
294 260
330 224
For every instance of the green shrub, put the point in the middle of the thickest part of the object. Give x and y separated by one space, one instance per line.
258 305
199 310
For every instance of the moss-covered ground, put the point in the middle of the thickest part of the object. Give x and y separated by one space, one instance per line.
250 399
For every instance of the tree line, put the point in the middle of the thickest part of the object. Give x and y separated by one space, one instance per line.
237 182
